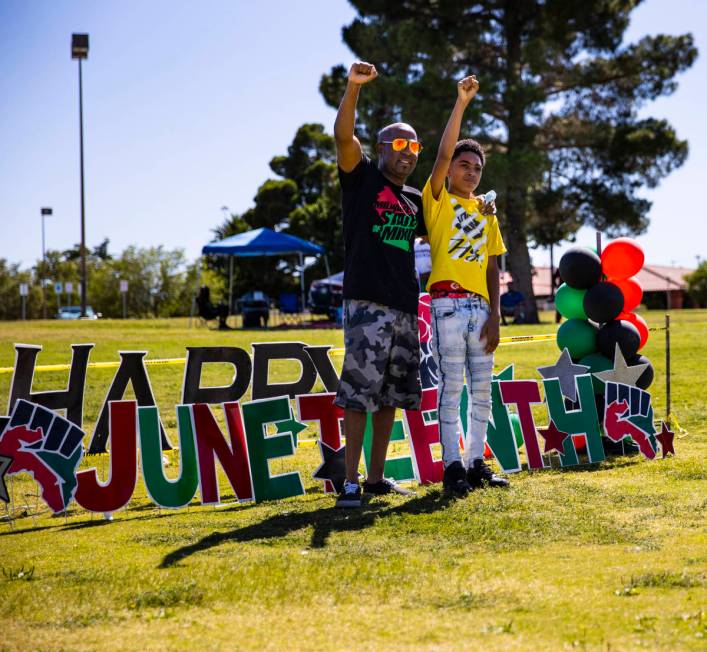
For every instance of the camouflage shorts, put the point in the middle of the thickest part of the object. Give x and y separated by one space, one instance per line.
382 360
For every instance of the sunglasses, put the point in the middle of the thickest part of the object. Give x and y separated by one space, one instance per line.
399 144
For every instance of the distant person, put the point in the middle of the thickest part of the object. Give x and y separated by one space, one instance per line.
381 217
423 262
512 305
466 241
556 282
209 311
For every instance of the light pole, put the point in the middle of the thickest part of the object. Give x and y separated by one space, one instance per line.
79 50
226 212
44 213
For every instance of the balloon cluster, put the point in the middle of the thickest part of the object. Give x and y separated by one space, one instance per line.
598 298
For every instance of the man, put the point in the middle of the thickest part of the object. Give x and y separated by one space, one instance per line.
465 241
512 303
381 217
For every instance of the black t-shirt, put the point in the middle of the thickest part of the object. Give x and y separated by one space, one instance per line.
381 220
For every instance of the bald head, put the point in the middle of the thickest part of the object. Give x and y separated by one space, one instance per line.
396 130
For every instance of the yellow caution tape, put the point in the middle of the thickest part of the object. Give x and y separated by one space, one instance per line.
514 339
96 365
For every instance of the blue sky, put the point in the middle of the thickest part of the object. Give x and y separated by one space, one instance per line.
186 102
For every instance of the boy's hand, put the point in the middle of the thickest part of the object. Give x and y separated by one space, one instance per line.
491 330
488 209
467 88
362 72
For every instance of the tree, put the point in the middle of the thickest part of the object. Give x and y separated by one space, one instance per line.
305 202
697 285
557 109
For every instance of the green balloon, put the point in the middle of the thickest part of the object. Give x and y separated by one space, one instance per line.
578 336
597 362
517 429
570 302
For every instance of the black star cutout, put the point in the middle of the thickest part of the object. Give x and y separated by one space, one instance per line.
5 462
333 468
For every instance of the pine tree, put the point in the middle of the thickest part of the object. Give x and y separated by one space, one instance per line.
558 108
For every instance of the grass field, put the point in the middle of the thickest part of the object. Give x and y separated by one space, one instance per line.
609 557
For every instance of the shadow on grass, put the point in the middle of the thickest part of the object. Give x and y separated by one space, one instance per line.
324 522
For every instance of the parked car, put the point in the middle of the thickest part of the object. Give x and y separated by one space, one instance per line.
326 295
74 312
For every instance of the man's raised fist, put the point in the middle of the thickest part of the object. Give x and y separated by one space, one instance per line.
362 72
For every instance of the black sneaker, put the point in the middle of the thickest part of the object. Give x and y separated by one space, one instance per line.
350 495
455 480
480 474
385 486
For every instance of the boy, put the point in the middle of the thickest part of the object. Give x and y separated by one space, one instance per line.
465 240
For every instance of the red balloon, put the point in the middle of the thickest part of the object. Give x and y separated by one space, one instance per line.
632 291
639 323
622 258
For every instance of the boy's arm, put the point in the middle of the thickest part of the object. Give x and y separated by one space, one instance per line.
466 89
348 147
491 329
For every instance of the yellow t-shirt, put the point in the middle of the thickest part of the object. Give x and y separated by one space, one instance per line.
461 240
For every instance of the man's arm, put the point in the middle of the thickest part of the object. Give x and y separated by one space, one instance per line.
491 329
348 147
466 89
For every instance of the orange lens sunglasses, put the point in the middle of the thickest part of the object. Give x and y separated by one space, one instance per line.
399 144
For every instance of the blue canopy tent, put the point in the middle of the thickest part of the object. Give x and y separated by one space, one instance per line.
264 242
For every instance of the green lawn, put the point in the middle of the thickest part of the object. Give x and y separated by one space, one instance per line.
608 557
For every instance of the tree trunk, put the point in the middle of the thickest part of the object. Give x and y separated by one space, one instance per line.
519 141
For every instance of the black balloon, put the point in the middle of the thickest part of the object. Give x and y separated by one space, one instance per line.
580 268
620 332
646 378
603 302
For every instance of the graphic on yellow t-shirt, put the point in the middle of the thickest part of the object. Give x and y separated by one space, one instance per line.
461 240
468 241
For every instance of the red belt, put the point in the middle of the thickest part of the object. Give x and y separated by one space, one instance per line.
443 294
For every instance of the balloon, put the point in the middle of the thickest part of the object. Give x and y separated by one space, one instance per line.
569 302
603 302
632 291
620 332
578 336
597 362
622 258
580 268
639 323
646 378
517 434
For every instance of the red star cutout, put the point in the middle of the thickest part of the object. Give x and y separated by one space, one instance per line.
554 439
665 437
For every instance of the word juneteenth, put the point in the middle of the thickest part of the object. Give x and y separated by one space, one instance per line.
36 439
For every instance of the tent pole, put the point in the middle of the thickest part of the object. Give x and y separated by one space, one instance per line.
230 284
301 277
326 266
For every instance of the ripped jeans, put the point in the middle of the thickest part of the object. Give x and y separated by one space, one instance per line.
456 345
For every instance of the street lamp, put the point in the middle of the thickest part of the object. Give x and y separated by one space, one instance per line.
44 212
79 50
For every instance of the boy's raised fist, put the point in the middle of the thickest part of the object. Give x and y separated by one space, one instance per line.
467 88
